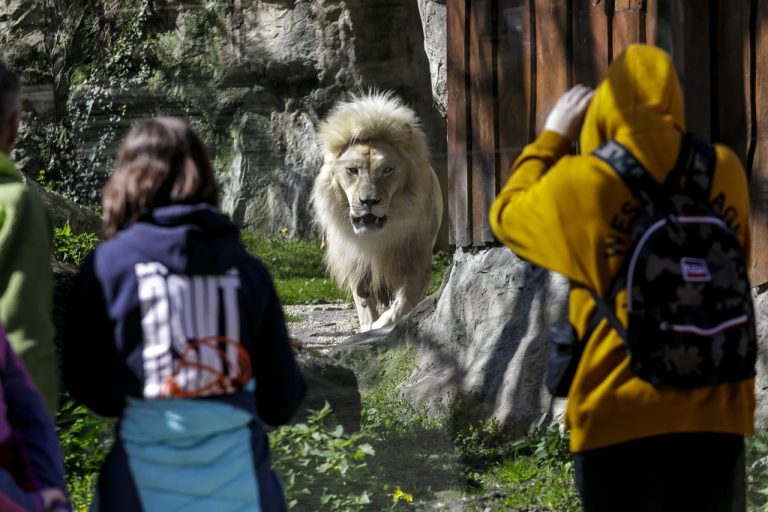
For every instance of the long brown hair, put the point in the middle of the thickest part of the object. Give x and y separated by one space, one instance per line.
160 162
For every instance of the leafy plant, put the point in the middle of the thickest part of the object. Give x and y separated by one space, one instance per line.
383 420
547 444
323 467
85 441
484 443
69 247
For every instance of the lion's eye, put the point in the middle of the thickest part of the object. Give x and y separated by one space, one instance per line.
387 171
352 170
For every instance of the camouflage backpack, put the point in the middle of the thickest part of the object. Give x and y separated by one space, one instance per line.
691 321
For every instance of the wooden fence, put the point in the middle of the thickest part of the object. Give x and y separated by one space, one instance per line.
509 61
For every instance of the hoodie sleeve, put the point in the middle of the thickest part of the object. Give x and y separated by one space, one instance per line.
526 216
90 366
280 386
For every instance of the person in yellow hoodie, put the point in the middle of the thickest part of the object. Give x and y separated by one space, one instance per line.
26 279
636 446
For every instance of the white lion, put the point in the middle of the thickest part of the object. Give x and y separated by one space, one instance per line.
379 206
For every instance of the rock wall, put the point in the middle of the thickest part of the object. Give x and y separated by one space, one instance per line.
254 78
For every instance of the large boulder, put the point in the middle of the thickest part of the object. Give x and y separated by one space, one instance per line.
474 350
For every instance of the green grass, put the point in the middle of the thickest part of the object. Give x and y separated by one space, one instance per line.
299 273
440 262
529 472
297 268
523 484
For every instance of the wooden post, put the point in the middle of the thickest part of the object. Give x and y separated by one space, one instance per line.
514 79
483 116
759 177
552 70
590 43
628 24
731 79
691 53
458 196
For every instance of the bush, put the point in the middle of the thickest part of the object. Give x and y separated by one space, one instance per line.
85 441
323 467
69 247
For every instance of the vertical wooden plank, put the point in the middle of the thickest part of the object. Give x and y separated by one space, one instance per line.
628 24
590 43
458 166
759 177
731 78
514 81
552 66
482 103
750 85
651 22
691 43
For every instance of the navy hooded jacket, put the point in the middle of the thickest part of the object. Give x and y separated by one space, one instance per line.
179 275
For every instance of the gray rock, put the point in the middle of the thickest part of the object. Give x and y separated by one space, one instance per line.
433 19
476 349
62 211
761 380
329 381
272 170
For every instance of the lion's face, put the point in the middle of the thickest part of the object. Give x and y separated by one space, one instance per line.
371 174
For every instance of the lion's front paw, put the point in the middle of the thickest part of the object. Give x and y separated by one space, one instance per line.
384 320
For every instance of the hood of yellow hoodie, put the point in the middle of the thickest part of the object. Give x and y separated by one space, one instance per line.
640 104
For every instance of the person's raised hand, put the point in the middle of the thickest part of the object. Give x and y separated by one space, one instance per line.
568 113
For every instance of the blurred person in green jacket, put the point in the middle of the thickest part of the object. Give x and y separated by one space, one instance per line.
26 279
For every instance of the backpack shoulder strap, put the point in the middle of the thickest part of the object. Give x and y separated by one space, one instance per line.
696 165
700 169
624 163
604 309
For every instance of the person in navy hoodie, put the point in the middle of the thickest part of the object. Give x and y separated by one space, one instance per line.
176 330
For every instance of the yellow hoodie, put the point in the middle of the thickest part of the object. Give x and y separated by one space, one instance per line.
573 215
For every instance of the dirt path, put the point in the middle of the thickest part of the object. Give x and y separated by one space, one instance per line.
322 326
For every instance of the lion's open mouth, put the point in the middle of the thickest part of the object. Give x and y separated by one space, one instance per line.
368 221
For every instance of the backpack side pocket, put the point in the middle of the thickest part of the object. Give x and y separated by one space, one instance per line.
565 351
